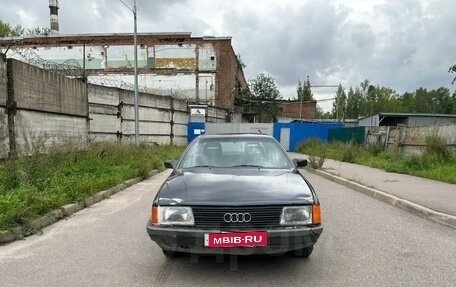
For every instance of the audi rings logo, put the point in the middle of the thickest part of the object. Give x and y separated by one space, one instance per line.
237 217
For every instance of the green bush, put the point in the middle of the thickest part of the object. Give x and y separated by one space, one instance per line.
436 145
316 162
349 154
31 186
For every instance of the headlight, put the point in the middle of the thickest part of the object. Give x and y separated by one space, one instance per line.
172 215
296 215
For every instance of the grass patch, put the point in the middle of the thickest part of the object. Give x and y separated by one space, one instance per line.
437 162
34 185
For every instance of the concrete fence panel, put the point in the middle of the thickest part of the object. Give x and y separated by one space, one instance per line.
180 131
146 128
162 119
42 109
412 140
103 95
104 113
180 106
3 82
161 140
146 114
216 115
42 90
4 139
43 130
104 123
180 127
147 100
180 117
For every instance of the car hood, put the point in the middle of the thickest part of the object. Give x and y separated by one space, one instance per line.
234 187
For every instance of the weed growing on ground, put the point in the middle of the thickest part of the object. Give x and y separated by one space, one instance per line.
33 185
437 162
316 162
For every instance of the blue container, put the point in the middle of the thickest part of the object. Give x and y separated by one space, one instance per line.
302 132
194 130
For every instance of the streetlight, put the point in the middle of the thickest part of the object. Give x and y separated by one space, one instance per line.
136 69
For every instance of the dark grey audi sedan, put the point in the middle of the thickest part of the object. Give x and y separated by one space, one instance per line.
235 194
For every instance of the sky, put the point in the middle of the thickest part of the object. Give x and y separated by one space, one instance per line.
402 44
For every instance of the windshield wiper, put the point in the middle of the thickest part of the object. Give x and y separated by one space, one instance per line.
247 165
201 166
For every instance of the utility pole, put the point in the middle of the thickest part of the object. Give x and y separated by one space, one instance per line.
135 35
337 108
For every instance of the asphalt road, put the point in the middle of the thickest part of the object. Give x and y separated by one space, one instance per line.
365 243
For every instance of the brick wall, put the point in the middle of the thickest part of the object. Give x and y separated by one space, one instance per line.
228 73
291 109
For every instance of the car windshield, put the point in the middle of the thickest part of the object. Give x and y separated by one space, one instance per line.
236 152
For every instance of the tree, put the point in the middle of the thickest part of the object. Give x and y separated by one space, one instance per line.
364 86
304 91
442 101
408 103
354 98
422 100
242 98
6 30
264 87
364 109
323 115
453 101
38 31
367 106
369 99
452 70
240 62
265 95
386 99
340 104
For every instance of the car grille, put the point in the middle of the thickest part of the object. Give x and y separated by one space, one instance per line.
213 216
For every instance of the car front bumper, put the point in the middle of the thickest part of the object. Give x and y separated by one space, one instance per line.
191 240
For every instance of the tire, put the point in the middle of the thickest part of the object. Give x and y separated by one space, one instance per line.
304 253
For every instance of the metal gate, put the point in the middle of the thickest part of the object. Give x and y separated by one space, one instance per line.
285 138
292 135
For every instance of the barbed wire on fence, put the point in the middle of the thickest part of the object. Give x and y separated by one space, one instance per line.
69 68
72 69
108 81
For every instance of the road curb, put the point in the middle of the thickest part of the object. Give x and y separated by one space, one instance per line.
66 211
414 208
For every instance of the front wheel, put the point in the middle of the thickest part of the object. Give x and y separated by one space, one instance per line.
304 253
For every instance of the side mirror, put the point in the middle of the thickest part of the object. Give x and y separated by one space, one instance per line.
170 164
300 162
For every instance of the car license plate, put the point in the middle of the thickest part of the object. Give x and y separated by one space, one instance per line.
236 239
